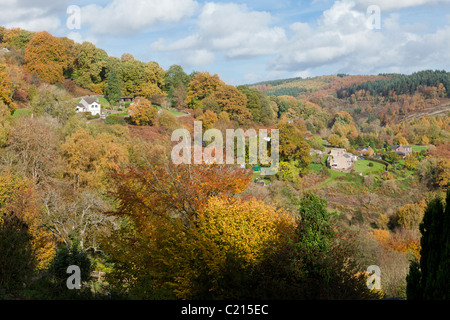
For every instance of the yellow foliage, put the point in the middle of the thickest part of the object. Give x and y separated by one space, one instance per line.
142 113
243 230
88 158
18 195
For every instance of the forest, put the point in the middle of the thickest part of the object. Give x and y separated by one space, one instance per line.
102 193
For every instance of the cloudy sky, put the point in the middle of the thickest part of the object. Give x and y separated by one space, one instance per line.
253 40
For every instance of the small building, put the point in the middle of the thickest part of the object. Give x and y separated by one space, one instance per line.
402 151
89 105
126 99
365 151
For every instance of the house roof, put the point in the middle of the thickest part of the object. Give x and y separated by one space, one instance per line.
91 100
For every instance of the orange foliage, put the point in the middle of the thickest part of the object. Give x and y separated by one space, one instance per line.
46 56
398 242
5 89
168 190
201 86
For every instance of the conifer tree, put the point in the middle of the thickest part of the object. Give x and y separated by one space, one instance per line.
428 278
114 87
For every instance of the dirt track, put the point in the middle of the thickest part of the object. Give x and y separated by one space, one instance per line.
443 108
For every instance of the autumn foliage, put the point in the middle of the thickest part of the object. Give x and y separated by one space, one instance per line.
169 190
142 113
45 55
5 89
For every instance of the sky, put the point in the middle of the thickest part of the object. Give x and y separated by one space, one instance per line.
256 40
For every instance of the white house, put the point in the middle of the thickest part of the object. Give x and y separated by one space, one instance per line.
340 160
91 105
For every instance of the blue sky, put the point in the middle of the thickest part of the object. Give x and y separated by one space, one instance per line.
250 41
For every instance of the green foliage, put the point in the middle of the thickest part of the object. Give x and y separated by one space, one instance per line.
316 142
258 104
294 147
53 101
429 278
294 92
90 67
401 84
21 39
316 264
287 171
175 77
70 256
114 88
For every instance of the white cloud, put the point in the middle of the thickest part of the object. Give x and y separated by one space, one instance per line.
341 41
31 15
231 29
122 17
198 58
388 5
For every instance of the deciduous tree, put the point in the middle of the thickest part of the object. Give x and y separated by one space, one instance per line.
201 86
294 147
6 89
88 158
142 113
45 55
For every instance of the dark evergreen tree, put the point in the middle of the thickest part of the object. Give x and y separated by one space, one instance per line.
428 278
68 256
114 87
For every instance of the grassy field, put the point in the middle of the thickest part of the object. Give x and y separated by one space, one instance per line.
419 148
118 114
105 103
315 167
21 112
363 167
174 112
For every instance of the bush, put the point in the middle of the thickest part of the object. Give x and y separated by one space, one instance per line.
91 117
69 256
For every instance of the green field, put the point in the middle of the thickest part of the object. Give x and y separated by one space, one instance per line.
21 112
174 112
363 167
315 167
105 103
419 148
118 114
